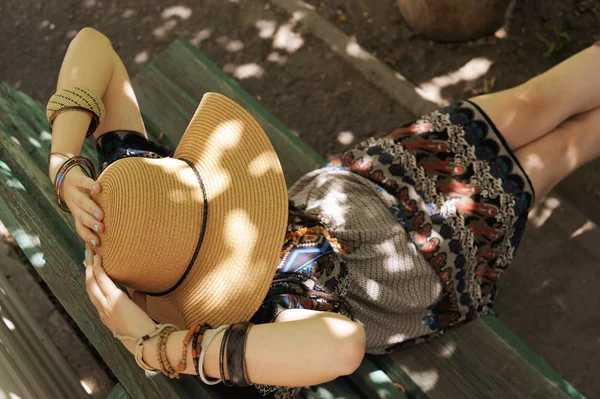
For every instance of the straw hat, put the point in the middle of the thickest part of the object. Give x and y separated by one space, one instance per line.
201 232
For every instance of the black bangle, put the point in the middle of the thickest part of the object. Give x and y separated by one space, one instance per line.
195 351
226 382
236 348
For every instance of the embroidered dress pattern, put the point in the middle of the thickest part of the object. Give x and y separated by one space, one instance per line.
462 197
308 263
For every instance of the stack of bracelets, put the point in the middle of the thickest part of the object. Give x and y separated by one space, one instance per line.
74 99
232 351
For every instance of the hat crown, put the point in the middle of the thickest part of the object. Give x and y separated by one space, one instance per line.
153 212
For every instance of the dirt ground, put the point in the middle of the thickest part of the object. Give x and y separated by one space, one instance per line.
330 105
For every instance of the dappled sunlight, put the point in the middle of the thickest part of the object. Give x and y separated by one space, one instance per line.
45 136
543 285
128 91
128 13
233 46
9 323
246 71
141 57
345 137
501 33
238 254
448 350
201 36
298 15
532 162
25 240
540 213
355 50
266 29
372 289
165 28
34 142
287 39
277 58
262 164
182 12
12 182
587 226
426 380
87 386
37 260
472 70
71 34
74 73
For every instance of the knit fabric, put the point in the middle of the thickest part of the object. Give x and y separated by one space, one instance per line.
432 213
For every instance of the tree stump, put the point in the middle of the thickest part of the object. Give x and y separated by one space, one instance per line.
454 20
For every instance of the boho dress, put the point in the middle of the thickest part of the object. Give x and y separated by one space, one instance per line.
407 233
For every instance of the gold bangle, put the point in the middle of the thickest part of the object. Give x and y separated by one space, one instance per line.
76 99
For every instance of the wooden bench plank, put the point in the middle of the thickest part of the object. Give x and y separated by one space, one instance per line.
508 336
471 362
185 74
374 382
118 392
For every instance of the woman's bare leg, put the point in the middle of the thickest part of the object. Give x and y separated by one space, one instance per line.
554 156
527 112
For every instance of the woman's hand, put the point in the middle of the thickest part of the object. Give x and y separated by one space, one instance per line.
75 192
119 313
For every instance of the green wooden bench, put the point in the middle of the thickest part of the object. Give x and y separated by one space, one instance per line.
483 359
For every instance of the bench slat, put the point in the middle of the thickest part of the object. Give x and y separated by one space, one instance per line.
470 362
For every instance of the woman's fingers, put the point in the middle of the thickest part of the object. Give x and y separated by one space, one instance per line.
108 287
88 219
89 184
93 289
83 231
87 204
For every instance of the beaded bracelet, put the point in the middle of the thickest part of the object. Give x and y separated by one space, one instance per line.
165 365
209 339
226 382
188 337
84 163
76 99
139 346
195 353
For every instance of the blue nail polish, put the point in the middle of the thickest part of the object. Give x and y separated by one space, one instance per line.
93 242
86 253
94 187
96 228
94 258
96 214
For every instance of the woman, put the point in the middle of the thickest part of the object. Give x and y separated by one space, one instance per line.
397 241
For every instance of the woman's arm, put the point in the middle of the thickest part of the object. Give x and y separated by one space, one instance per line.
88 64
305 347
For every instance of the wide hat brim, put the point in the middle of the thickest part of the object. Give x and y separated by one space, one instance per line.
247 211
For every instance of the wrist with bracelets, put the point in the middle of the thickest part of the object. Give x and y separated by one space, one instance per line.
86 165
232 352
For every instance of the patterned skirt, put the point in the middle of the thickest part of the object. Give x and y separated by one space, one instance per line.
462 197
